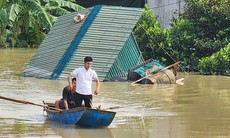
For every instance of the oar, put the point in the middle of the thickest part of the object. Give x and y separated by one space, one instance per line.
109 108
157 72
27 102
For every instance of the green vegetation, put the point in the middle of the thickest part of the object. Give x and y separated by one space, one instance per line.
199 37
201 33
25 23
217 64
151 38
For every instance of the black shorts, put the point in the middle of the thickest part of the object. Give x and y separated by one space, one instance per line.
62 106
86 98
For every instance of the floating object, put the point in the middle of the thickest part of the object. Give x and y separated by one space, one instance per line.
152 72
78 18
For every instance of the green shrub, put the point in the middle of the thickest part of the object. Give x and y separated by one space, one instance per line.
217 63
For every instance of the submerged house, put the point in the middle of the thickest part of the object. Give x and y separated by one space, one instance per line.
103 32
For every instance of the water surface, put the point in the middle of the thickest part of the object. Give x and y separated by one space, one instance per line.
199 108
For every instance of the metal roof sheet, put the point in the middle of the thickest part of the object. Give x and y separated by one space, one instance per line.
107 39
104 41
54 46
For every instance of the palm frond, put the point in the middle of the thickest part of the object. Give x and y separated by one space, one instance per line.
56 11
26 21
62 3
3 18
52 18
14 10
38 35
3 3
40 13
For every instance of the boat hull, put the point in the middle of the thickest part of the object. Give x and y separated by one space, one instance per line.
65 117
81 116
96 118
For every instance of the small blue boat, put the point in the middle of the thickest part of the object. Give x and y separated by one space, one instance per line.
82 116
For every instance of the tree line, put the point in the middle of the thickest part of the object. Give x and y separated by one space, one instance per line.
199 36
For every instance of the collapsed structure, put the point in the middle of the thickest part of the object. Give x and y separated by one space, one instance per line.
103 32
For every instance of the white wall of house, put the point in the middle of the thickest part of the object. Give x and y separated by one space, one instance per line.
164 9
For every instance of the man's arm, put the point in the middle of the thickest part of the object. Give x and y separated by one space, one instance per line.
66 104
97 87
64 97
70 86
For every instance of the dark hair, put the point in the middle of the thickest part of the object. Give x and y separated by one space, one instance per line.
88 59
73 79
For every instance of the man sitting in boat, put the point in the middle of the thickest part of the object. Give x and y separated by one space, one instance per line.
68 100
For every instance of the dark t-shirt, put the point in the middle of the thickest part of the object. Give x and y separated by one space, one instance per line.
66 94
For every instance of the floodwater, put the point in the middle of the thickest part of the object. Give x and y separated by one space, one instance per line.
199 108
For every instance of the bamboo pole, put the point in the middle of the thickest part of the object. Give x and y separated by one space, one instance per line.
27 102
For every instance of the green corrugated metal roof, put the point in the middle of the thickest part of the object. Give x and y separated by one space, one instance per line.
105 39
54 46
127 58
108 40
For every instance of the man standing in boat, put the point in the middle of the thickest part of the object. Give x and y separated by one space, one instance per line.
84 77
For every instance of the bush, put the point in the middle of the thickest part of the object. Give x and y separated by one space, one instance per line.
201 30
218 63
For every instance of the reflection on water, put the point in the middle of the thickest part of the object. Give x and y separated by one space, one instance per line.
199 108
71 131
23 128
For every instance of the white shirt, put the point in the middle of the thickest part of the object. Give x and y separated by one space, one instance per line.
84 80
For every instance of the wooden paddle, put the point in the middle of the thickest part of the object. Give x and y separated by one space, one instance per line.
27 102
109 108
174 64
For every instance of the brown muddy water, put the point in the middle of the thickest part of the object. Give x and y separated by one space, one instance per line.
198 109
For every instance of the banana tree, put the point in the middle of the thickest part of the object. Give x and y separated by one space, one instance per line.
28 21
